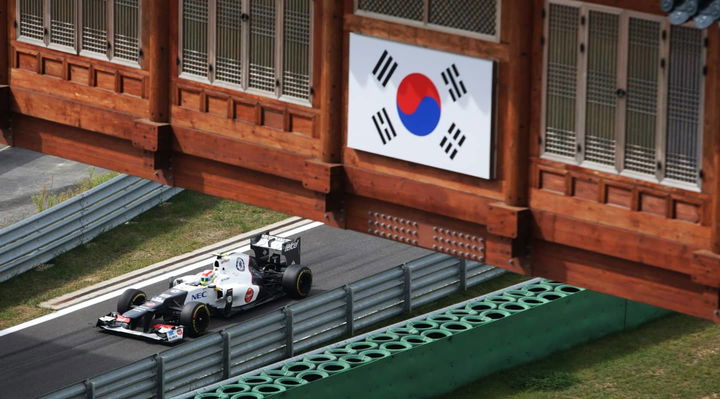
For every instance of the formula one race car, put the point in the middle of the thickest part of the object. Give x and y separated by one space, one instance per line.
236 282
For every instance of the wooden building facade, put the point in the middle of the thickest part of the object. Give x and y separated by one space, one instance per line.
603 142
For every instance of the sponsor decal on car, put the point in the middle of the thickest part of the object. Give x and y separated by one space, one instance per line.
122 319
199 295
249 295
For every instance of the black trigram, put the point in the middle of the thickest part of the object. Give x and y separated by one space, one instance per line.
456 87
453 140
384 68
384 126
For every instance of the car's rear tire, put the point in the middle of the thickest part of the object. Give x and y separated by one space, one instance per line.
195 317
297 281
131 297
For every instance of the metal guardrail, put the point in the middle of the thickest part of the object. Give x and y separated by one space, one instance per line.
285 332
76 221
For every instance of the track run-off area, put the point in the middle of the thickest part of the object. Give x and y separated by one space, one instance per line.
65 347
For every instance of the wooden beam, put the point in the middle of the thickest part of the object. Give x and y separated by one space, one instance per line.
514 98
247 186
616 242
79 145
422 37
625 279
329 79
508 221
156 56
73 113
419 195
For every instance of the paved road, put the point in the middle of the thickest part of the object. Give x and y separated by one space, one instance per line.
52 355
24 172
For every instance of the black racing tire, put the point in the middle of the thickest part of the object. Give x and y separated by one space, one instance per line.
297 281
130 298
195 317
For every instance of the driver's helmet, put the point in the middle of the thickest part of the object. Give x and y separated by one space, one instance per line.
207 277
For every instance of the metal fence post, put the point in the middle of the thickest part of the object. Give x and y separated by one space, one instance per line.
463 274
159 376
89 389
289 332
226 354
407 287
349 310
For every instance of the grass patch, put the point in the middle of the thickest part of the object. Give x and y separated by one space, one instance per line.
46 199
186 222
675 357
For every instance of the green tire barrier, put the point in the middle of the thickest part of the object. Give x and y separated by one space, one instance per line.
517 293
460 313
375 354
255 380
396 346
269 389
340 351
213 395
495 314
538 288
320 358
402 331
232 389
422 325
298 367
533 301
442 318
481 306
382 338
356 360
290 382
435 334
276 373
500 299
456 326
568 289
476 320
552 295
415 340
360 346
312 375
248 395
334 367
521 324
514 307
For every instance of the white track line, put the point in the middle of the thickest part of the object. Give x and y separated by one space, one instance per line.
110 295
5 148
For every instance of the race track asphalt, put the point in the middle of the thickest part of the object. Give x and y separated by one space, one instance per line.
49 356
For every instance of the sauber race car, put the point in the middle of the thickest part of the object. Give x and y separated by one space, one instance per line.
236 282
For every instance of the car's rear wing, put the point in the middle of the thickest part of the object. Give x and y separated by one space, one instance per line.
265 244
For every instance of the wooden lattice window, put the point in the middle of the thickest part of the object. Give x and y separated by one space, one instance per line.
623 92
477 18
262 46
109 29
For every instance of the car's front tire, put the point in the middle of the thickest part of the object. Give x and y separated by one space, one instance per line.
195 317
130 298
297 281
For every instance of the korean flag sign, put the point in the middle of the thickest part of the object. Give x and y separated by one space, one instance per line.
420 105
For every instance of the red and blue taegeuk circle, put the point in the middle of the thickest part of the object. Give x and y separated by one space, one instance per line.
418 104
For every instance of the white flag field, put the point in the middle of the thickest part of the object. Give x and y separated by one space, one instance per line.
425 106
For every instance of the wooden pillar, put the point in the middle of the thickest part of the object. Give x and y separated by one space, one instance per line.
155 22
514 118
329 76
4 43
712 129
